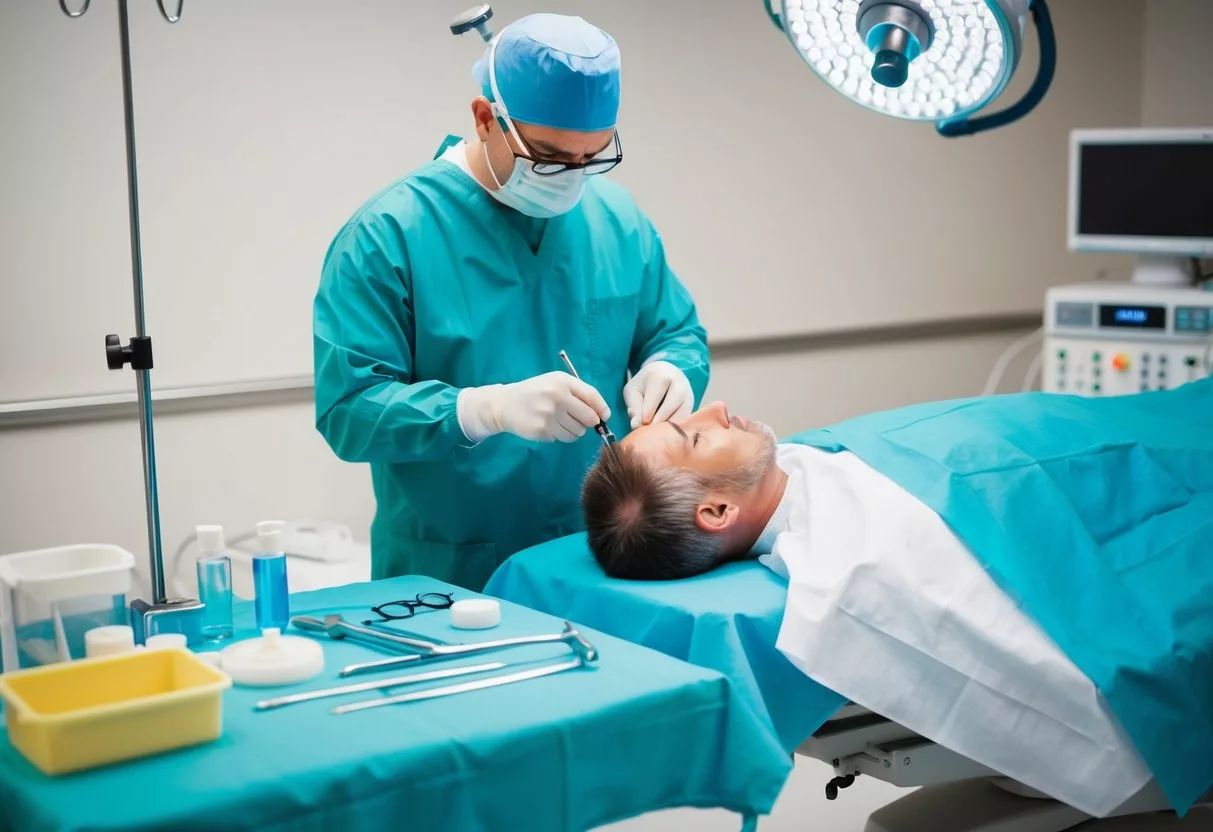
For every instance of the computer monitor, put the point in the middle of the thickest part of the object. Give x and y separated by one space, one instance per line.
1143 191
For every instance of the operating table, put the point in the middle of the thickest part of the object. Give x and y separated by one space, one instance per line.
956 794
729 620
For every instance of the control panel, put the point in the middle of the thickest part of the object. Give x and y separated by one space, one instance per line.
1113 339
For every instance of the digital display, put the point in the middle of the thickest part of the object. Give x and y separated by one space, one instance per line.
1133 317
1146 190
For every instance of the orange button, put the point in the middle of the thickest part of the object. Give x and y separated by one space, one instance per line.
1120 362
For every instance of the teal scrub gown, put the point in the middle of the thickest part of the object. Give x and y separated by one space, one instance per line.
434 286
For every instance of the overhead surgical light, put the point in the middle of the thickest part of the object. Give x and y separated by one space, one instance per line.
922 60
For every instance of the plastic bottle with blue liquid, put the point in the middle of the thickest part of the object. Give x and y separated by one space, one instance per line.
214 568
271 594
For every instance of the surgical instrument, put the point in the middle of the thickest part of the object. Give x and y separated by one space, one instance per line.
379 684
334 626
601 429
569 636
582 659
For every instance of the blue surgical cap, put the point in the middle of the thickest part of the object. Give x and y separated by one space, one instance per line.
555 71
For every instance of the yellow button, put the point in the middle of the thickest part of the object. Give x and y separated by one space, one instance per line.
1120 362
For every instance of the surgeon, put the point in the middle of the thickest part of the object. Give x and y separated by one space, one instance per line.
446 299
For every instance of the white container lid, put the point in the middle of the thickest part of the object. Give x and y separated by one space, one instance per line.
109 640
210 539
273 659
166 640
270 526
476 613
268 540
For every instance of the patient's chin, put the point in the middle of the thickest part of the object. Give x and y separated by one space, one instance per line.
769 449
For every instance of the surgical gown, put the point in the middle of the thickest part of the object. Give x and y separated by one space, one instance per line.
433 286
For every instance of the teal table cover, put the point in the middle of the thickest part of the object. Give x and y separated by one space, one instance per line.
637 732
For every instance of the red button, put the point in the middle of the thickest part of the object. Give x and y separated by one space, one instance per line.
1120 363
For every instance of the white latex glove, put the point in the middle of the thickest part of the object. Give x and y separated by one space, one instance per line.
552 407
658 393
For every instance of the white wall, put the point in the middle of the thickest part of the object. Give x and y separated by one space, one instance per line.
1177 64
783 175
262 126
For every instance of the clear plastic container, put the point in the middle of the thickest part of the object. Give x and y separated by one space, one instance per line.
214 568
49 598
272 600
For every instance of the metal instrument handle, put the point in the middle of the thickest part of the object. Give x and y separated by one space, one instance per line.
364 634
445 651
382 664
463 687
441 651
464 649
601 429
378 684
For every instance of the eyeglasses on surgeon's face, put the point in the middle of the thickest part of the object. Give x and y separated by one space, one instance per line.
547 159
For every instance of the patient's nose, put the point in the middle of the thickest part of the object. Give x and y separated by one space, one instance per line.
717 412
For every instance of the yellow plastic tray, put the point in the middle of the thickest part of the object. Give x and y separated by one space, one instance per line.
89 713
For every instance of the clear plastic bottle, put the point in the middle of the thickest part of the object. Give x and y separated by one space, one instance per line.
271 593
214 583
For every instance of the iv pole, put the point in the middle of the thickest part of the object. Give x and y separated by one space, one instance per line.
155 614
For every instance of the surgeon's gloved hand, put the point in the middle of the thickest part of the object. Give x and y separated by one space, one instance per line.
658 393
552 407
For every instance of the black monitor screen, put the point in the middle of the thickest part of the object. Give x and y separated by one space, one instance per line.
1146 190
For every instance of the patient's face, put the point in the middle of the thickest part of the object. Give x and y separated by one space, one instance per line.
709 441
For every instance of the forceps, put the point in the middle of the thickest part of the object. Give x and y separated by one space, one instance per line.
335 627
601 429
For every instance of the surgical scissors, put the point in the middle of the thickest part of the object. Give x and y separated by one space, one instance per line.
601 429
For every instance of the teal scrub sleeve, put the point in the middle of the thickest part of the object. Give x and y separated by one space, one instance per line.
668 324
368 408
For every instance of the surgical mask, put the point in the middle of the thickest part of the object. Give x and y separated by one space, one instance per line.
525 190
534 195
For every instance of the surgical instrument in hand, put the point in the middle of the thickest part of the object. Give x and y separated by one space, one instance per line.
378 684
601 429
581 660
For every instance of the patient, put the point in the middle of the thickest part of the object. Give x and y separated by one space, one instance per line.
676 499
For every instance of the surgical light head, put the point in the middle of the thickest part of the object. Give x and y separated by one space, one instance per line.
895 34
921 60
477 18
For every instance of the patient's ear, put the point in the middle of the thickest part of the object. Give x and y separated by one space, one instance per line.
716 517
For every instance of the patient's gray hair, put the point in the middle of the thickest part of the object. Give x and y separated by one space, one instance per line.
640 519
